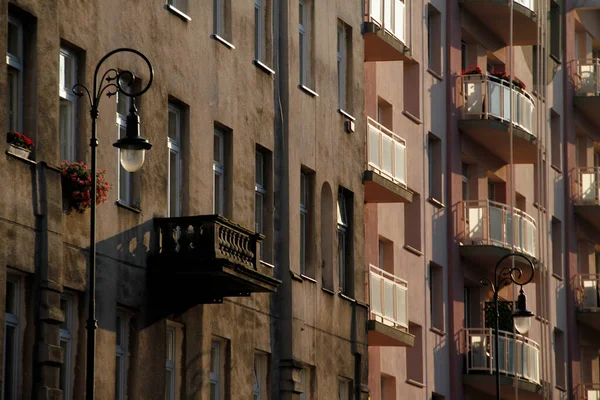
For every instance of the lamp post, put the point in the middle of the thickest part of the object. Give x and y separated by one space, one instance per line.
522 317
132 154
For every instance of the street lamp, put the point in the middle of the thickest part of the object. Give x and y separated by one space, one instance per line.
522 318
133 151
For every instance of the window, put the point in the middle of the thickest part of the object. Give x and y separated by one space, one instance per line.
344 389
464 57
218 354
388 387
68 104
344 49
385 115
556 145
263 51
557 246
414 355
434 152
491 191
465 181
181 5
12 345
127 182
174 144
344 236
66 335
259 194
555 30
412 224
327 237
122 350
173 360
222 18
219 172
305 43
559 358
539 184
261 376
434 39
14 61
436 293
386 255
304 196
412 91
306 374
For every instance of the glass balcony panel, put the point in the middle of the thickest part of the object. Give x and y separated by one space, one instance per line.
506 103
402 317
374 136
375 301
495 98
387 14
399 26
387 154
388 299
509 230
479 356
496 228
376 10
588 186
590 293
400 158
476 228
474 101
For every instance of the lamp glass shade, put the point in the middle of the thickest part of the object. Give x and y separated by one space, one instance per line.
523 322
132 159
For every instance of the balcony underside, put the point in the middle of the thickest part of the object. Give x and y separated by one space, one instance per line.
380 334
486 256
589 106
381 46
589 212
485 384
379 189
590 318
495 15
495 137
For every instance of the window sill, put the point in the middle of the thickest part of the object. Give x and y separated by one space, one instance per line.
412 117
555 275
296 277
346 115
435 74
266 264
136 210
263 67
25 160
175 11
562 389
308 278
436 202
437 331
556 59
346 297
556 168
415 383
411 249
308 91
328 291
222 41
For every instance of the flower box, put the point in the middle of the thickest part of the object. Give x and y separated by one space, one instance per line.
19 144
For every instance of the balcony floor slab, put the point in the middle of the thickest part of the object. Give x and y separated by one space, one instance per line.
382 46
485 383
380 334
589 106
589 212
590 318
486 256
379 189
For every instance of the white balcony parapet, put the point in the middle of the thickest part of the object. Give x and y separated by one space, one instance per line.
587 188
488 97
386 153
488 222
588 296
387 298
586 77
518 355
529 4
592 391
390 15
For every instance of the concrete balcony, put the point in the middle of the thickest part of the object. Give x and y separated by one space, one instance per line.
495 15
388 315
588 299
586 192
384 31
386 168
206 258
591 391
519 359
489 230
487 117
587 88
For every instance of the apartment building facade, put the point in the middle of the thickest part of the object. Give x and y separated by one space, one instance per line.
229 266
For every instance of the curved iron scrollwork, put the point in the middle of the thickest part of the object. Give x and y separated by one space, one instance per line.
504 275
113 81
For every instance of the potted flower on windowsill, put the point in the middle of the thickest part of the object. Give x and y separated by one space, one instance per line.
77 186
472 70
19 144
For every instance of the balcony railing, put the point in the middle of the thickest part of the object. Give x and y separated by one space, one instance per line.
518 355
386 153
586 78
587 189
388 298
487 97
588 296
491 223
390 15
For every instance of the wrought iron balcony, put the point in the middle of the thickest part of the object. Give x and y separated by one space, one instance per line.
586 190
385 30
587 290
487 116
386 167
586 80
215 256
388 316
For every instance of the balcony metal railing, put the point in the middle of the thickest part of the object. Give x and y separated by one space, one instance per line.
586 77
388 298
519 356
587 189
488 97
390 15
586 289
491 223
386 153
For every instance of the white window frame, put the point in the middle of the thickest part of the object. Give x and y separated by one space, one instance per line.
259 29
219 170
125 185
174 145
66 336
342 64
13 320
342 232
14 64
304 195
304 41
261 370
68 140
171 364
122 354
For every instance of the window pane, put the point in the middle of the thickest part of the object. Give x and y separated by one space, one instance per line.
169 388
9 362
258 212
67 150
302 243
119 327
13 40
68 72
218 198
174 184
13 99
173 125
64 308
214 358
259 169
11 297
213 391
62 384
217 153
118 379
170 344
